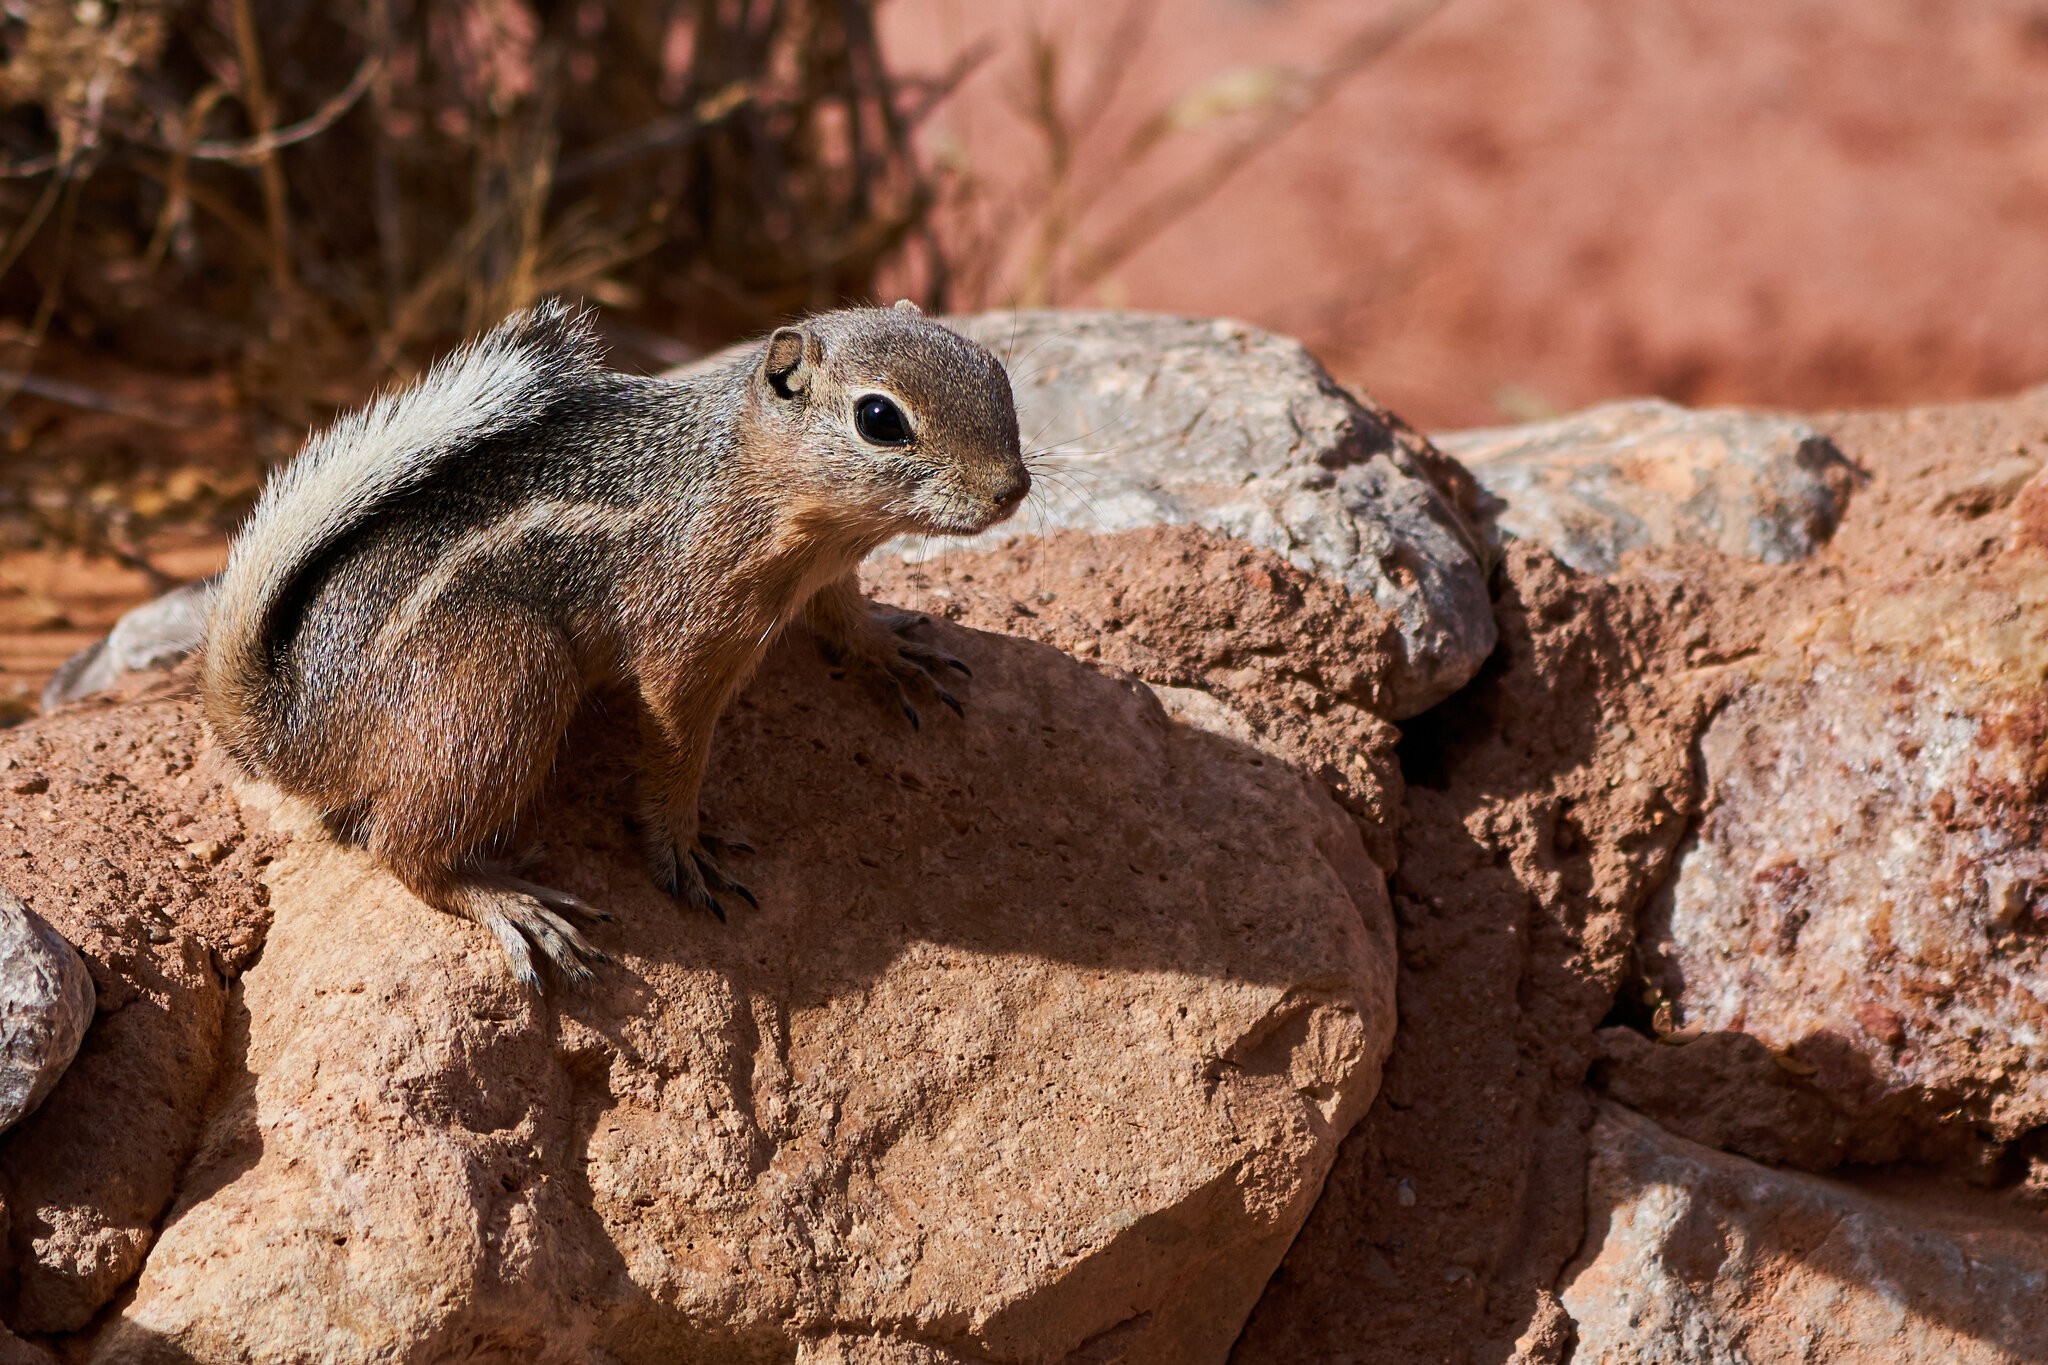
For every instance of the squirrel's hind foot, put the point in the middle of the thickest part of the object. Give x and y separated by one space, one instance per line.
526 918
695 876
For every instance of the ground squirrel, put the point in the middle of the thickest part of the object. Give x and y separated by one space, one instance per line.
421 601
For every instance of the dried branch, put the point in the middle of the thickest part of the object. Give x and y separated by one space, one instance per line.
33 167
658 135
256 98
1174 202
90 399
933 91
249 151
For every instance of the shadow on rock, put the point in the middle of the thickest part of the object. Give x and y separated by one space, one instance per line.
1451 1210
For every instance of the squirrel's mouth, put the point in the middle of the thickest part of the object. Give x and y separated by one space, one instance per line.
968 514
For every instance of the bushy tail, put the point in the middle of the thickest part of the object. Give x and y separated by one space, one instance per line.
505 380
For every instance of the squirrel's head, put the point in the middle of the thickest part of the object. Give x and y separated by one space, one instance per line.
891 422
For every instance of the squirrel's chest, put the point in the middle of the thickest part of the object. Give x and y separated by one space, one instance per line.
716 620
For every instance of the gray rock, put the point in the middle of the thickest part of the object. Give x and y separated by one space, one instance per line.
156 634
1693 1257
46 1001
1624 475
1149 420
1144 421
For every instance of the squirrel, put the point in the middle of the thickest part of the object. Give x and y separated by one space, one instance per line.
423 598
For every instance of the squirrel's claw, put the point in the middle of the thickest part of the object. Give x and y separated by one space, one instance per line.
895 666
558 900
695 878
927 659
717 878
522 924
920 666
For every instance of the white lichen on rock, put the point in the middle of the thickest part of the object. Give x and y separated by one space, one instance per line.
46 1002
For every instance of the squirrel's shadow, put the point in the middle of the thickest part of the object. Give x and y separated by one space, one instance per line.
1066 816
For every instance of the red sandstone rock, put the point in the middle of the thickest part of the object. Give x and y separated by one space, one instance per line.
1047 1028
1867 894
97 834
1693 1256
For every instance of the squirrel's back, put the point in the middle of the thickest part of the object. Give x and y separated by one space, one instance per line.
507 380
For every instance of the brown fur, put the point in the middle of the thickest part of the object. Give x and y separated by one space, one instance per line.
447 639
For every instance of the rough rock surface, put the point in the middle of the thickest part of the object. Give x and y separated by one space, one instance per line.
2029 503
46 1003
123 836
1231 638
1144 420
1592 486
1040 1043
1543 805
15 1351
1696 1258
1868 893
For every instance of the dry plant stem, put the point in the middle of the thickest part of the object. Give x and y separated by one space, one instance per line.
53 287
936 90
18 241
662 135
384 170
177 209
1035 291
1062 132
1149 219
259 149
762 168
1133 26
256 98
533 179
246 229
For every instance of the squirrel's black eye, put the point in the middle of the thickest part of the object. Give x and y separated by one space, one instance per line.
880 422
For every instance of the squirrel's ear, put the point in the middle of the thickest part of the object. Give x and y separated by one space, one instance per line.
906 306
786 364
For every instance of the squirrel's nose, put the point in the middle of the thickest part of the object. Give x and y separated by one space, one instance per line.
1014 492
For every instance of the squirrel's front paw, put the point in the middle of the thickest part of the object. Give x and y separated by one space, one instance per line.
691 873
893 664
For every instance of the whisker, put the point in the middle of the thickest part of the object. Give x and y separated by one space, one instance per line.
1050 419
1076 494
1074 461
1090 434
1063 462
1051 336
